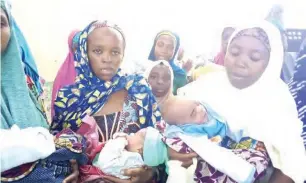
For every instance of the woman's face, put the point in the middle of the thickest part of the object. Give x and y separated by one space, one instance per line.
245 61
160 80
164 47
5 31
105 52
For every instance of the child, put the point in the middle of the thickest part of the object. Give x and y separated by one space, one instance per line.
196 119
144 148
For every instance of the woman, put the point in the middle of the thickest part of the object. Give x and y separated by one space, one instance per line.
117 102
226 34
67 73
297 87
159 77
251 84
19 108
165 47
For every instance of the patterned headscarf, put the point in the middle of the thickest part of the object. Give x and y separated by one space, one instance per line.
176 69
89 94
256 33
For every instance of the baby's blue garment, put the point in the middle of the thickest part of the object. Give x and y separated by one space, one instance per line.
216 126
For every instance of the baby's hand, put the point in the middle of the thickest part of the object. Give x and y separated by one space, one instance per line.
216 139
120 135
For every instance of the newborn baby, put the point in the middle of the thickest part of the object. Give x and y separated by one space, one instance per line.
196 119
144 148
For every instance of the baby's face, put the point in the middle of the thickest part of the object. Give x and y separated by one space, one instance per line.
187 112
136 141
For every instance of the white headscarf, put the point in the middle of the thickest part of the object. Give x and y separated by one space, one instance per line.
265 110
169 94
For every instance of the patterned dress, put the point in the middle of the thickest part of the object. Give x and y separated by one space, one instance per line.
122 121
249 149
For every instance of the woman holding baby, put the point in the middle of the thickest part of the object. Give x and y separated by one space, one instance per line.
249 95
104 100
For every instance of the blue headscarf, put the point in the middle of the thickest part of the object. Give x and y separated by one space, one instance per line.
27 58
89 93
176 69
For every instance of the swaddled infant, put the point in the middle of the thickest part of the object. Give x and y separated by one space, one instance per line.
144 148
196 119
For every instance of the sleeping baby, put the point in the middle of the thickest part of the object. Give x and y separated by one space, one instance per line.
196 119
144 148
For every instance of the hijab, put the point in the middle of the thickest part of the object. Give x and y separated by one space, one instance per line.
67 73
18 104
89 93
27 58
265 110
161 101
176 69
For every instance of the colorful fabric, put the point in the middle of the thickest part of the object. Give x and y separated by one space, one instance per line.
56 167
297 87
66 74
18 105
123 121
251 152
176 69
27 58
89 94
33 89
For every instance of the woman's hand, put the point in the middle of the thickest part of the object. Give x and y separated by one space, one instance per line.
185 158
138 175
187 65
73 177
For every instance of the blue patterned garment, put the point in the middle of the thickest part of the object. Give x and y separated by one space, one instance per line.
89 94
298 89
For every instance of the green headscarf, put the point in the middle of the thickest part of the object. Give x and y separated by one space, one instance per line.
18 104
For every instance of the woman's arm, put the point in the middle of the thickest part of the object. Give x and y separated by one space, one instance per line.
279 177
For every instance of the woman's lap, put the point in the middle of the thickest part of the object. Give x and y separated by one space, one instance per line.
207 173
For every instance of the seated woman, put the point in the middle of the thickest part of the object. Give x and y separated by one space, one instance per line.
116 102
159 77
20 108
165 47
251 84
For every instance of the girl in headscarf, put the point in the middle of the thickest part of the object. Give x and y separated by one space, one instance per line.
250 95
24 127
66 74
226 34
165 47
102 93
298 89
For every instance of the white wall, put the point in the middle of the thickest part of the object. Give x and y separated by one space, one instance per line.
47 23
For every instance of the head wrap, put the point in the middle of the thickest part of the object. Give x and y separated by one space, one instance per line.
89 94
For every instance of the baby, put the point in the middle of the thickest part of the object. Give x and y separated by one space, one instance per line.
196 119
144 148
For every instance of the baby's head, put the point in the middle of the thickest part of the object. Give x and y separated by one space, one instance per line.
148 142
185 111
136 141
